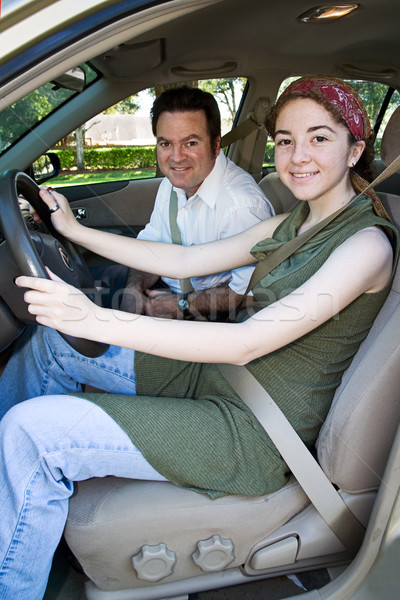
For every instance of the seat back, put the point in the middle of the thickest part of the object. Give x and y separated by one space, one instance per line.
389 151
356 438
277 193
358 433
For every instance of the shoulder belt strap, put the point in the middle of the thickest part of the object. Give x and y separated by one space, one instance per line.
239 132
299 459
186 284
255 120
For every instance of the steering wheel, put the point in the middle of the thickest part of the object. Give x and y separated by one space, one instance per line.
27 251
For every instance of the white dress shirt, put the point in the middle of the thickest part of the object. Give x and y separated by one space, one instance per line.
227 202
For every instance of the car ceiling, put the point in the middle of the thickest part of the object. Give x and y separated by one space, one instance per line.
179 40
237 38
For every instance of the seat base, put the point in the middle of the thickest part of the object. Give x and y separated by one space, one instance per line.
112 519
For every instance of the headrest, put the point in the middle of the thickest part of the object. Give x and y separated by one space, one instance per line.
390 147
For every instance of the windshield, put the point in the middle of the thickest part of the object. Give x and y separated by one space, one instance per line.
23 116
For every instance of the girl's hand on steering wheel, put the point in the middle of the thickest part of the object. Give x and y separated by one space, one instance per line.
61 214
61 306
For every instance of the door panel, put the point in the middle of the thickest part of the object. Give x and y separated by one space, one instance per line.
126 204
123 207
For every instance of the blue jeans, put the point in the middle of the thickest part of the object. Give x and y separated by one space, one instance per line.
46 444
44 363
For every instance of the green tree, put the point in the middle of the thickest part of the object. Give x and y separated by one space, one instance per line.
126 107
225 91
372 94
17 119
160 88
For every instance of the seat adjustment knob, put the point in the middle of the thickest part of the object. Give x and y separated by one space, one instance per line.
214 554
154 563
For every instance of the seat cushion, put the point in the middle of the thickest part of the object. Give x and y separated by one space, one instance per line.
110 520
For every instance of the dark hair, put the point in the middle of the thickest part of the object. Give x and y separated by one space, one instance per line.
363 166
187 99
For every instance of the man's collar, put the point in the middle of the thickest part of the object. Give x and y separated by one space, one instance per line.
209 189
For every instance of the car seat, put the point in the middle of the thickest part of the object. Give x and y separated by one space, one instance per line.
152 540
277 193
389 143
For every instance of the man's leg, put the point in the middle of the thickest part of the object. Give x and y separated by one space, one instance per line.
46 444
43 363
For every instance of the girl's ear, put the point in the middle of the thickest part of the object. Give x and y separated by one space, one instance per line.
355 153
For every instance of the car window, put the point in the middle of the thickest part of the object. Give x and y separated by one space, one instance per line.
118 143
24 115
373 95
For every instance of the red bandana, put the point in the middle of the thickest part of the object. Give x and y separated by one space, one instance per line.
340 95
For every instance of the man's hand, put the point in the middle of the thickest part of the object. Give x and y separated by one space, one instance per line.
163 303
140 297
153 303
214 304
134 301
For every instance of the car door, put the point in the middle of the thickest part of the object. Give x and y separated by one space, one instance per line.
122 207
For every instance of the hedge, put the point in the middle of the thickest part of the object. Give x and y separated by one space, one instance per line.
119 157
269 153
124 157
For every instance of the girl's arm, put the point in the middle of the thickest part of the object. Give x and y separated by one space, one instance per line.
361 264
170 260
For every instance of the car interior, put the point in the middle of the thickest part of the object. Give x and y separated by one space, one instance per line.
139 540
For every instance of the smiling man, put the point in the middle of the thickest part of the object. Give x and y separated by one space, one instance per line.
213 199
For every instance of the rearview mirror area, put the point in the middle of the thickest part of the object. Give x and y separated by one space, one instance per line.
45 167
74 80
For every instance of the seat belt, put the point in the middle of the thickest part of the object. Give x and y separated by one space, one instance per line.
299 459
328 502
186 284
254 121
240 132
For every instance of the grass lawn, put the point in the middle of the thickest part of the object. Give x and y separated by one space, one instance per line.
79 178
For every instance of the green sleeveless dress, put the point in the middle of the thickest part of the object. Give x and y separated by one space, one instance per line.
194 429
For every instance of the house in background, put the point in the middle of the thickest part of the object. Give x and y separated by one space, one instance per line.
124 130
119 130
